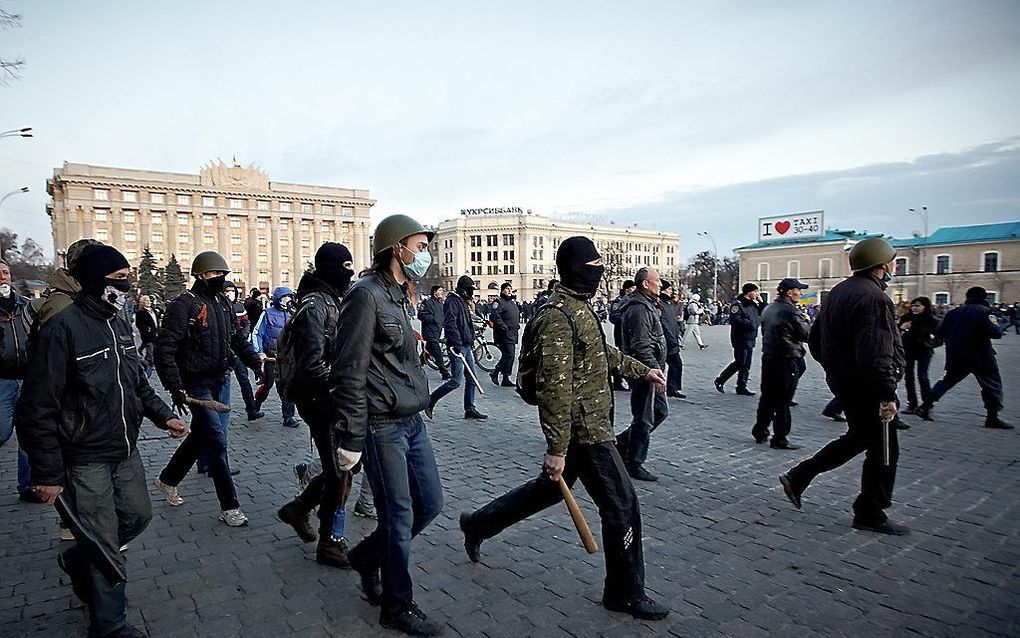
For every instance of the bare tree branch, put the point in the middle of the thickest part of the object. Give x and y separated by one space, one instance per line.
9 20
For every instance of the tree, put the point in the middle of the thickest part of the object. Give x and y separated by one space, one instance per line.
9 245
26 262
615 270
701 271
32 253
148 274
174 283
10 68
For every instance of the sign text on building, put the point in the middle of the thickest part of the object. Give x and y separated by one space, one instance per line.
792 226
512 210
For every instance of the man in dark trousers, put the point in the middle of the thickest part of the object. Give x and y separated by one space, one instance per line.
968 331
148 329
254 305
78 420
240 371
670 317
505 316
199 337
460 333
575 409
430 313
16 318
745 321
644 341
857 341
616 318
785 328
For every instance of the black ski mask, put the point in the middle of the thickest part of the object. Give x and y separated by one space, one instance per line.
572 265
214 284
331 262
95 263
466 287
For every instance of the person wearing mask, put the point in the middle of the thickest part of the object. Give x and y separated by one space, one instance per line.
505 316
78 421
430 313
616 318
254 305
264 337
378 385
460 333
643 340
693 317
543 297
745 321
670 317
917 329
240 371
968 332
16 318
199 336
148 330
575 408
785 328
856 340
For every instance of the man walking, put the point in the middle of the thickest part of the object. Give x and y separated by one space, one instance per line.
644 341
616 318
240 371
785 329
575 408
670 317
968 331
79 419
745 321
148 329
505 316
692 318
460 333
430 313
16 317
193 359
856 340
264 338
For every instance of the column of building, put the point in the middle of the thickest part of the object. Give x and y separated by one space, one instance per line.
253 264
274 248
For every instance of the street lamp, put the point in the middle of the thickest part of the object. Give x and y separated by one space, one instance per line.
23 189
17 132
715 263
924 249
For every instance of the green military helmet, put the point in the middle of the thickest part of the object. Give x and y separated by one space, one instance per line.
75 250
871 252
396 228
208 260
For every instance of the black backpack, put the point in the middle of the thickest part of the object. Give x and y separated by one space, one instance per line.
288 377
527 386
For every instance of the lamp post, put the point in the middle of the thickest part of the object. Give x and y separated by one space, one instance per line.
17 132
715 264
23 189
923 212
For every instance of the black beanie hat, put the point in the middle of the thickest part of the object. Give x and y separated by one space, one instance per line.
977 293
465 282
329 265
95 263
748 287
435 288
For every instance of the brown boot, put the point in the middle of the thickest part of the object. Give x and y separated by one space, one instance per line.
332 553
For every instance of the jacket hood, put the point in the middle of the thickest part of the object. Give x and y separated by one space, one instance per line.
280 292
64 282
310 283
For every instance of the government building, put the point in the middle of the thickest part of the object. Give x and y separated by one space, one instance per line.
514 245
267 231
941 266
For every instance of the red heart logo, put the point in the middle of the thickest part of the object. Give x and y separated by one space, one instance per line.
782 227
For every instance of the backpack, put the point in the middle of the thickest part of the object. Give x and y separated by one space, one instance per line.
527 385
687 311
288 376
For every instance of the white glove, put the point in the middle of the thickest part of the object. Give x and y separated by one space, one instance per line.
347 459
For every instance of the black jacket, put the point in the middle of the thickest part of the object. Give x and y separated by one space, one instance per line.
856 339
642 330
146 324
198 339
312 339
431 315
85 393
671 325
968 332
506 320
745 321
784 330
918 339
16 318
457 324
253 307
376 372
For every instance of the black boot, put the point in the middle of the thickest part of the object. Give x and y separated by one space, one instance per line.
495 377
473 413
744 392
472 543
371 582
332 553
639 473
411 620
993 421
643 608
924 411
297 517
507 383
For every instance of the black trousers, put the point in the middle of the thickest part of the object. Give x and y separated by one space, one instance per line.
649 409
604 476
921 362
675 372
779 377
864 434
434 348
326 489
985 373
741 365
618 342
507 352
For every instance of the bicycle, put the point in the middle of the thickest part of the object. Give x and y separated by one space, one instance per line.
486 353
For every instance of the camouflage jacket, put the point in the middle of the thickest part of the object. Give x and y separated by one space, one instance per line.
575 399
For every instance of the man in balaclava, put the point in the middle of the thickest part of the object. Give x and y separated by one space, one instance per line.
575 409
16 317
264 337
460 334
430 313
84 378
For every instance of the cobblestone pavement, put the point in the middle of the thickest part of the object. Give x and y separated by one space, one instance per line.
723 547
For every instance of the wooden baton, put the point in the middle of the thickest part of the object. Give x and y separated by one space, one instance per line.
215 406
587 539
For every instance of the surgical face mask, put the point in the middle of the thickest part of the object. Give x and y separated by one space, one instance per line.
5 290
286 302
887 277
416 269
116 292
232 295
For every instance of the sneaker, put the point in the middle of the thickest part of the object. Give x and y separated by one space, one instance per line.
169 493
332 553
123 548
294 515
719 386
365 511
472 544
234 517
66 534
643 608
783 445
411 620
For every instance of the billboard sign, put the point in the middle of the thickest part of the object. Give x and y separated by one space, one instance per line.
792 226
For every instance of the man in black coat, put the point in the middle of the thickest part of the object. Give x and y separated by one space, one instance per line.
430 313
460 333
785 330
745 320
670 318
616 318
857 341
505 316
968 331
148 330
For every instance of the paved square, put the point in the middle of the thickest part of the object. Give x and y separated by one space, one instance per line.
723 547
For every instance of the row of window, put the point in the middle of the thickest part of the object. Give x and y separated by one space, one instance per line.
185 219
943 266
489 270
102 194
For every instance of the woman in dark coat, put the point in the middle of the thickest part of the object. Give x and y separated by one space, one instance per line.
919 342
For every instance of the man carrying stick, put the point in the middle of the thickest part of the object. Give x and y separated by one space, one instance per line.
572 368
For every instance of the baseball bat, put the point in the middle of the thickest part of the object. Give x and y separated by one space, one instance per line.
215 406
587 539
469 372
93 547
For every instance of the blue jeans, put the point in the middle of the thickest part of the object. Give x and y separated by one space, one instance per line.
405 483
9 391
223 426
451 384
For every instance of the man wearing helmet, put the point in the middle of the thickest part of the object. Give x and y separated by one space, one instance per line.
857 341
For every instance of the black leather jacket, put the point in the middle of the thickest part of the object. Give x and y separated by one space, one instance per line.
784 329
643 338
312 340
376 373
16 317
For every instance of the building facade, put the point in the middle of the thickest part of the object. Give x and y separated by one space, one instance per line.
941 266
520 247
267 231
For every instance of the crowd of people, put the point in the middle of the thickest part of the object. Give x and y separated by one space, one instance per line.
343 355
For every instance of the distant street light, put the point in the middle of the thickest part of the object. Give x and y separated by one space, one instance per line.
924 250
23 189
715 263
17 132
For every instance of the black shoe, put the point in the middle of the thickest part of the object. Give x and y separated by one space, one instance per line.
882 527
410 620
744 392
474 414
507 383
371 582
900 425
995 423
127 631
791 493
702 346
643 608
924 412
621 445
429 409
472 544
291 423
835 416
294 515
30 496
256 415
759 435
783 445
639 473
619 387
206 473
332 553
719 386
793 404
676 395
494 376
446 376
911 409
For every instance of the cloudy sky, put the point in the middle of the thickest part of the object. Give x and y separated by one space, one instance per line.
683 116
